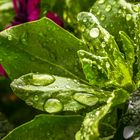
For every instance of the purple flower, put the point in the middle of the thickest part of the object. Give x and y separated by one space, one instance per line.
26 10
2 71
29 10
53 16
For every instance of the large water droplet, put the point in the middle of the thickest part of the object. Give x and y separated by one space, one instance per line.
53 106
108 8
42 79
128 132
94 32
128 17
101 1
86 98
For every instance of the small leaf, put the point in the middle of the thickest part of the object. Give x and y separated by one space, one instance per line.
47 127
129 50
90 127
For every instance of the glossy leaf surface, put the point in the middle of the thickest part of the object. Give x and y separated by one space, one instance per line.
40 47
47 128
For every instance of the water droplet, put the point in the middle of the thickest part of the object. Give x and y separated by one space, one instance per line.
107 65
128 132
84 20
103 44
97 113
67 86
88 17
98 13
36 97
114 2
101 1
135 8
9 37
94 32
108 8
86 98
53 106
128 17
42 79
102 17
120 11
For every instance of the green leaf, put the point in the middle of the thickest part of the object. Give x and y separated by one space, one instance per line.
103 46
54 94
40 46
116 16
90 126
47 127
94 68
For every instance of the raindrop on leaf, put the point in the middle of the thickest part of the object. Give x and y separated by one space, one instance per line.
53 106
94 32
108 8
86 98
102 17
101 1
128 17
42 79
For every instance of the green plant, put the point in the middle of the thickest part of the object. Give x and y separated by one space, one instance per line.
84 81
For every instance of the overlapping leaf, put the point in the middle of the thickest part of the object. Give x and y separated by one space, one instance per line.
90 126
40 46
105 65
47 128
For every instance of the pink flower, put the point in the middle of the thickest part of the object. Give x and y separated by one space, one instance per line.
2 71
54 17
26 10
